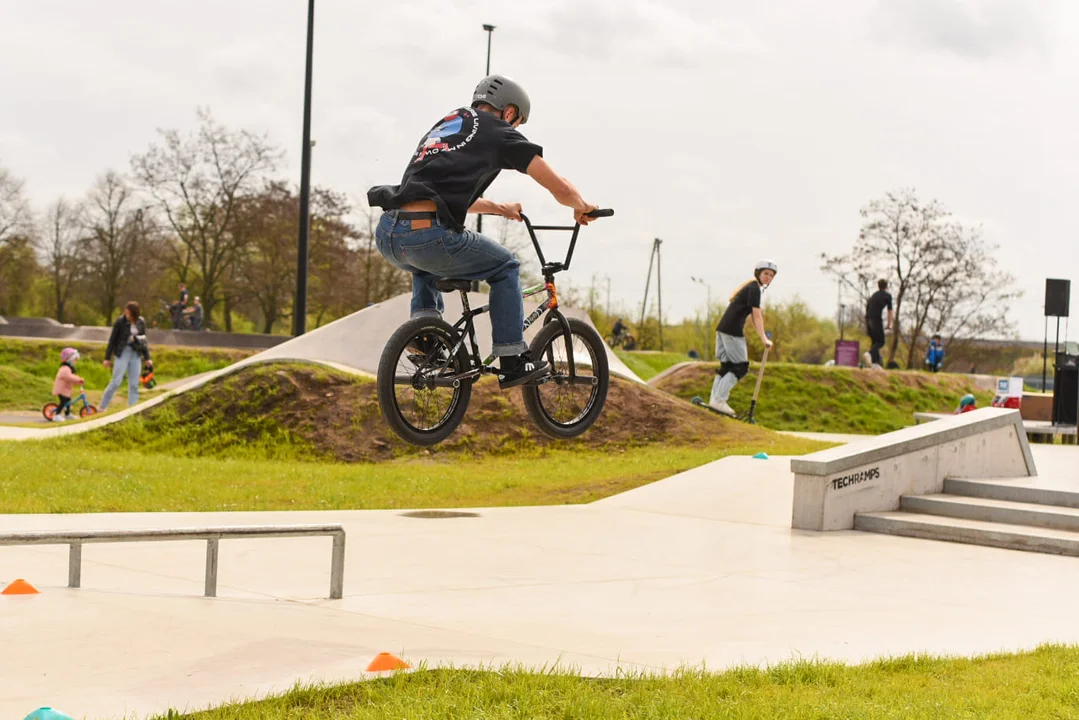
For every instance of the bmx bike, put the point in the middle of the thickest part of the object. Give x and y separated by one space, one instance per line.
51 410
427 368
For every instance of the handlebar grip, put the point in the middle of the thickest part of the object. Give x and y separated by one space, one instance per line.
598 213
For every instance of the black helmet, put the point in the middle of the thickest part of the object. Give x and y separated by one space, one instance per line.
500 92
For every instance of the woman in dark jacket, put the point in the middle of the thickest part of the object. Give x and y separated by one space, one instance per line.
128 345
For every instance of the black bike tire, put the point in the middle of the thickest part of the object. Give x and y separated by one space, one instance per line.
387 397
531 393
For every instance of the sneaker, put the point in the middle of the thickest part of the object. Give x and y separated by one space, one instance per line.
517 370
868 359
723 408
877 367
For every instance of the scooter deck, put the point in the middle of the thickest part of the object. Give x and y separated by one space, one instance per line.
698 401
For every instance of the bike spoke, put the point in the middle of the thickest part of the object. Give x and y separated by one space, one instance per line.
563 399
425 405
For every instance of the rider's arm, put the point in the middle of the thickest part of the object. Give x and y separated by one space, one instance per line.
489 207
561 188
758 322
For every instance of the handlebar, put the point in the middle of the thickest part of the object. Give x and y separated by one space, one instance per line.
574 228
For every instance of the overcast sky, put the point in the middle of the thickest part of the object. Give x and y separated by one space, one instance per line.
731 130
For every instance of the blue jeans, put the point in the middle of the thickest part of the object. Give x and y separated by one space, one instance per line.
442 252
129 362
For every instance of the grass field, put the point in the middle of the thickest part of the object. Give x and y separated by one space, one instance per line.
647 365
833 399
1038 684
130 481
28 367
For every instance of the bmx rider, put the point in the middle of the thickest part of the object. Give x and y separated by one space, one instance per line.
422 230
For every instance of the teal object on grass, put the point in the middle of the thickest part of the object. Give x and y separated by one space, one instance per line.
47 713
761 456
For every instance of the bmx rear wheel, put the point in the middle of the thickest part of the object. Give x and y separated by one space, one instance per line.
418 395
564 406
49 410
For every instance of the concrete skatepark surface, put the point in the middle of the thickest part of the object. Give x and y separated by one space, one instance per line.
351 344
702 567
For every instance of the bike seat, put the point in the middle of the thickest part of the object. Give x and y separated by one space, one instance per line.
446 285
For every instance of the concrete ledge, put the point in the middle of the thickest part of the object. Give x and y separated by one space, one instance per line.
871 475
911 439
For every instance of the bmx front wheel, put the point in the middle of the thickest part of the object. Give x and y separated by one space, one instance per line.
87 411
418 395
571 399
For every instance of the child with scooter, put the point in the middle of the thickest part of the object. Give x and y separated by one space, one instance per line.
731 350
65 383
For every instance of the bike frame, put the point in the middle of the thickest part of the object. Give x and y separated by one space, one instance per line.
71 403
467 329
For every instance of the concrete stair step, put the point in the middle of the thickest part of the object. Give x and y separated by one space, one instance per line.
991 510
972 532
1022 490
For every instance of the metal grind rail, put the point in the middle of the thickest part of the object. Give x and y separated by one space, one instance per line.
212 535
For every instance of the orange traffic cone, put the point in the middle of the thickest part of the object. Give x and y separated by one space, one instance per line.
387 661
19 587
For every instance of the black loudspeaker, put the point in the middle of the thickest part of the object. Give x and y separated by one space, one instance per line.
1057 297
1066 390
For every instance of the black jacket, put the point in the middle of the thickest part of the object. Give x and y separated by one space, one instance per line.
121 338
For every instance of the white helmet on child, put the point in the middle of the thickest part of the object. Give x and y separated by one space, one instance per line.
763 265
68 355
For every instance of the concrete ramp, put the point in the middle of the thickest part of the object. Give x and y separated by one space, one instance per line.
357 340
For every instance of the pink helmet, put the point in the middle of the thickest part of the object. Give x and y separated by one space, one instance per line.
69 355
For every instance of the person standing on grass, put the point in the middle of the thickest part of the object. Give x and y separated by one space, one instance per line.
731 350
128 345
874 324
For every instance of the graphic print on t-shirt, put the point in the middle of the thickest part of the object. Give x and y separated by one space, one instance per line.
447 135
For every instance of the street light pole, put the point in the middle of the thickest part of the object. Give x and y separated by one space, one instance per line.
299 314
490 30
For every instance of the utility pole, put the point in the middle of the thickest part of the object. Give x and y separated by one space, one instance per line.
299 313
659 288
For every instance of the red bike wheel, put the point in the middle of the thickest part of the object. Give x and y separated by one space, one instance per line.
87 411
49 410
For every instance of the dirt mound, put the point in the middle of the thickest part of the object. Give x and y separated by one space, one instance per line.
330 415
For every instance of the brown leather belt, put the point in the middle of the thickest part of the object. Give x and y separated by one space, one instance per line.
415 214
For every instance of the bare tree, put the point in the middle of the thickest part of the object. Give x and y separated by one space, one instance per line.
17 264
943 275
61 241
380 279
197 181
266 270
115 230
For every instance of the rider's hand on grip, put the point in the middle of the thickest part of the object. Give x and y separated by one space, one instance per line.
586 216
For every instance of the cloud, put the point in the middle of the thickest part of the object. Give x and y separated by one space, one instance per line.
643 32
979 29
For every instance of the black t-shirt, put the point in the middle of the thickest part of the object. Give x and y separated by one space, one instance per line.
456 161
183 297
734 319
878 301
